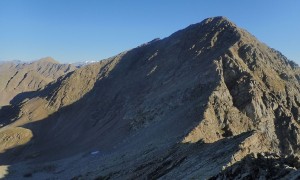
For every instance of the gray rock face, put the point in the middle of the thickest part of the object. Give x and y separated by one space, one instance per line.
187 106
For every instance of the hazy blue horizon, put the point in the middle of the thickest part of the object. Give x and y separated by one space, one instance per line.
72 31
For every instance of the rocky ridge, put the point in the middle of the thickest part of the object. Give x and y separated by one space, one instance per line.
187 106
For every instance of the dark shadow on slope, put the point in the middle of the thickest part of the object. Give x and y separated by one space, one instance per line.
8 114
101 111
41 128
188 156
21 97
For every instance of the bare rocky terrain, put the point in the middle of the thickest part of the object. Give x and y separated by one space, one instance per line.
209 101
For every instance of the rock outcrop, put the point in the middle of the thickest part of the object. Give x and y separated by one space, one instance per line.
187 106
262 166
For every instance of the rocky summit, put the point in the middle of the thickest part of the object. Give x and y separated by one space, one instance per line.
208 102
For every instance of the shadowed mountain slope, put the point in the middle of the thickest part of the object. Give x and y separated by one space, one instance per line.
182 107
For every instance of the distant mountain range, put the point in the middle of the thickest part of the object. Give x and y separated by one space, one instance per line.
208 102
18 77
83 63
76 64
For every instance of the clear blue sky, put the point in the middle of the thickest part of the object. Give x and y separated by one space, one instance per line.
79 30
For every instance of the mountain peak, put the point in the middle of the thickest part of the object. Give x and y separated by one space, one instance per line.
218 21
209 86
48 60
218 18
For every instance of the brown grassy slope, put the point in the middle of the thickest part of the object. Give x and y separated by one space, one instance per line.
19 78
